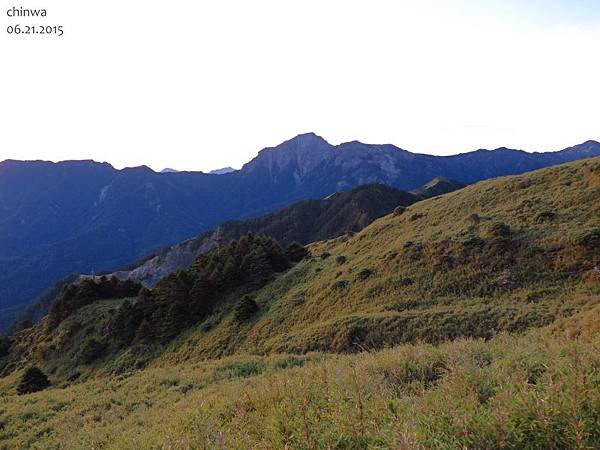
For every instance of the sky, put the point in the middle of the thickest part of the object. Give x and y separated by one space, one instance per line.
198 85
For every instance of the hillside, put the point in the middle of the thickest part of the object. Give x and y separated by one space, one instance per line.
489 296
501 255
438 186
539 390
302 222
84 217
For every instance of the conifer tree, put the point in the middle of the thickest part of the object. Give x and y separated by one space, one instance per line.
143 335
33 380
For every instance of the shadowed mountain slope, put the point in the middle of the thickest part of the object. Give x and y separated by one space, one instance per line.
303 222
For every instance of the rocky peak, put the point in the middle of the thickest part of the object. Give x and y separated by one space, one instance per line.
303 152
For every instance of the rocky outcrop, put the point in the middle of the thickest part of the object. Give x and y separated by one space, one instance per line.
167 261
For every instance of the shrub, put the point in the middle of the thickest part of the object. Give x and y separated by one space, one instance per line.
91 350
473 242
325 255
364 274
339 285
245 309
474 219
399 210
545 216
341 259
590 240
33 380
240 370
143 334
499 229
290 362
405 281
296 252
74 376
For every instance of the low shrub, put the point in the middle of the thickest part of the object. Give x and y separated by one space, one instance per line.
499 229
91 350
341 259
474 219
240 370
245 309
33 380
545 216
296 252
364 274
74 376
399 210
590 240
416 216
340 284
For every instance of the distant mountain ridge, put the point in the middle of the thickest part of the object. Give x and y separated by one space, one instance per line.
83 216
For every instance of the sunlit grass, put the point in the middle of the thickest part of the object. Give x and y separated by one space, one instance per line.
539 390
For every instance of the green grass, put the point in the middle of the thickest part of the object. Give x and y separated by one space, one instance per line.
538 390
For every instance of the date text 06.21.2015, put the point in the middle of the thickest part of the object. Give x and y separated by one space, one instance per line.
23 21
18 29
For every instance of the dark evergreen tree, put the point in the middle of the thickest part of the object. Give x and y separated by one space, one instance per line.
245 309
76 296
33 380
125 322
91 350
296 252
181 299
143 335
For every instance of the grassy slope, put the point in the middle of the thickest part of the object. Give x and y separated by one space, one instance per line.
436 275
540 388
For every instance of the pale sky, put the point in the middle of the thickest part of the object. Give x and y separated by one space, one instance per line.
199 85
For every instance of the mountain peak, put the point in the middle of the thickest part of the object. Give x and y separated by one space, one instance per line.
138 169
304 151
591 144
222 171
309 137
